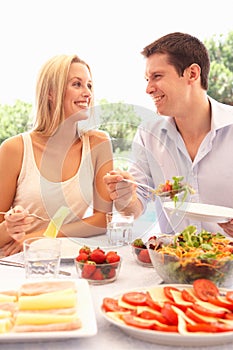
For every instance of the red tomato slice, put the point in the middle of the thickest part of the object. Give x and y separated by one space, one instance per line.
167 328
187 296
221 327
229 296
169 314
110 304
181 306
135 298
210 328
130 320
207 312
229 316
199 318
205 289
167 291
150 302
167 186
147 315
221 303
202 327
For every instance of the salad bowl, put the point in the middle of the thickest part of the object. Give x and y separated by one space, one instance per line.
188 256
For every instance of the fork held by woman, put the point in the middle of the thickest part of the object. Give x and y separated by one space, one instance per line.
29 214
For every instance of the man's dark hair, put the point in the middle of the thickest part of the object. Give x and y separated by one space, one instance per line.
182 50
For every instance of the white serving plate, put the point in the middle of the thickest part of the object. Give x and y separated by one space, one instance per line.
169 338
85 312
69 248
200 211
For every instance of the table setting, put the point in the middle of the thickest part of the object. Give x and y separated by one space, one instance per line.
98 330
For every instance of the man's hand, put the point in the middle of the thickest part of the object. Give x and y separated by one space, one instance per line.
227 227
122 193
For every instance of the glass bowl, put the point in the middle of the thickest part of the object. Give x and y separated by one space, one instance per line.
98 273
141 256
173 269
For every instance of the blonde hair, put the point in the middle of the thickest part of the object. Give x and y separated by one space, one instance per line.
50 92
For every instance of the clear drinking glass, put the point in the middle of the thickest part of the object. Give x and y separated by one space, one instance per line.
119 228
42 257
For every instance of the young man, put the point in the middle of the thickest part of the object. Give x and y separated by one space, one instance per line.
191 135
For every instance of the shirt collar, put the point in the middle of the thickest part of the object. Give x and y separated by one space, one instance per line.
221 114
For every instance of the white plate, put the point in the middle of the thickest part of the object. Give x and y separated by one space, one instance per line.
69 248
85 312
173 339
200 211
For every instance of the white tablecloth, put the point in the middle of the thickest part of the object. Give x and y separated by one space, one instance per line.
131 276
108 336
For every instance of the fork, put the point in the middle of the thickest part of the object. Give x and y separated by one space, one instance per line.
29 214
149 188
18 264
153 191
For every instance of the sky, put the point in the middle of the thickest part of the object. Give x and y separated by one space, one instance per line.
107 34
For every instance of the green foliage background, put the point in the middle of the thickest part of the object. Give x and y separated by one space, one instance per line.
14 119
120 119
221 69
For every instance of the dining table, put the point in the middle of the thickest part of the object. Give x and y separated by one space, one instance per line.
108 335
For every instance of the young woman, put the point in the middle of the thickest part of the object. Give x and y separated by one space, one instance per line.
57 163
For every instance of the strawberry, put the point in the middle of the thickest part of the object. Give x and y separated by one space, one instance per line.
82 257
111 273
97 275
88 269
112 257
144 256
96 265
97 255
85 249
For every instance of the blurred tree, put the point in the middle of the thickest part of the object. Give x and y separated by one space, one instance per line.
221 69
121 121
14 119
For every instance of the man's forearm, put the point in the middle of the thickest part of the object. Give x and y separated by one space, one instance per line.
134 207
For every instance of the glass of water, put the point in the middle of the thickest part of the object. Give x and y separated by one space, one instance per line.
119 228
42 257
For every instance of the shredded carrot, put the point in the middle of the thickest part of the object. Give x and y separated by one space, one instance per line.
192 247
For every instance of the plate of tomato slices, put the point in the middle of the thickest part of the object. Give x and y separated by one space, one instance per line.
174 314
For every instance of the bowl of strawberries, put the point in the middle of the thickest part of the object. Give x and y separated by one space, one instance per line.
98 266
141 253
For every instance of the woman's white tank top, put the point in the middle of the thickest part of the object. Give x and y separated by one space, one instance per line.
43 197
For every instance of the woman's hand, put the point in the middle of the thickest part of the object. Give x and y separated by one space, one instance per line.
17 222
13 247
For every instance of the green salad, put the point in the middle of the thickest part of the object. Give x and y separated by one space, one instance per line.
191 255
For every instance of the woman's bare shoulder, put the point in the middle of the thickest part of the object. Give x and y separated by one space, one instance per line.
98 136
12 145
